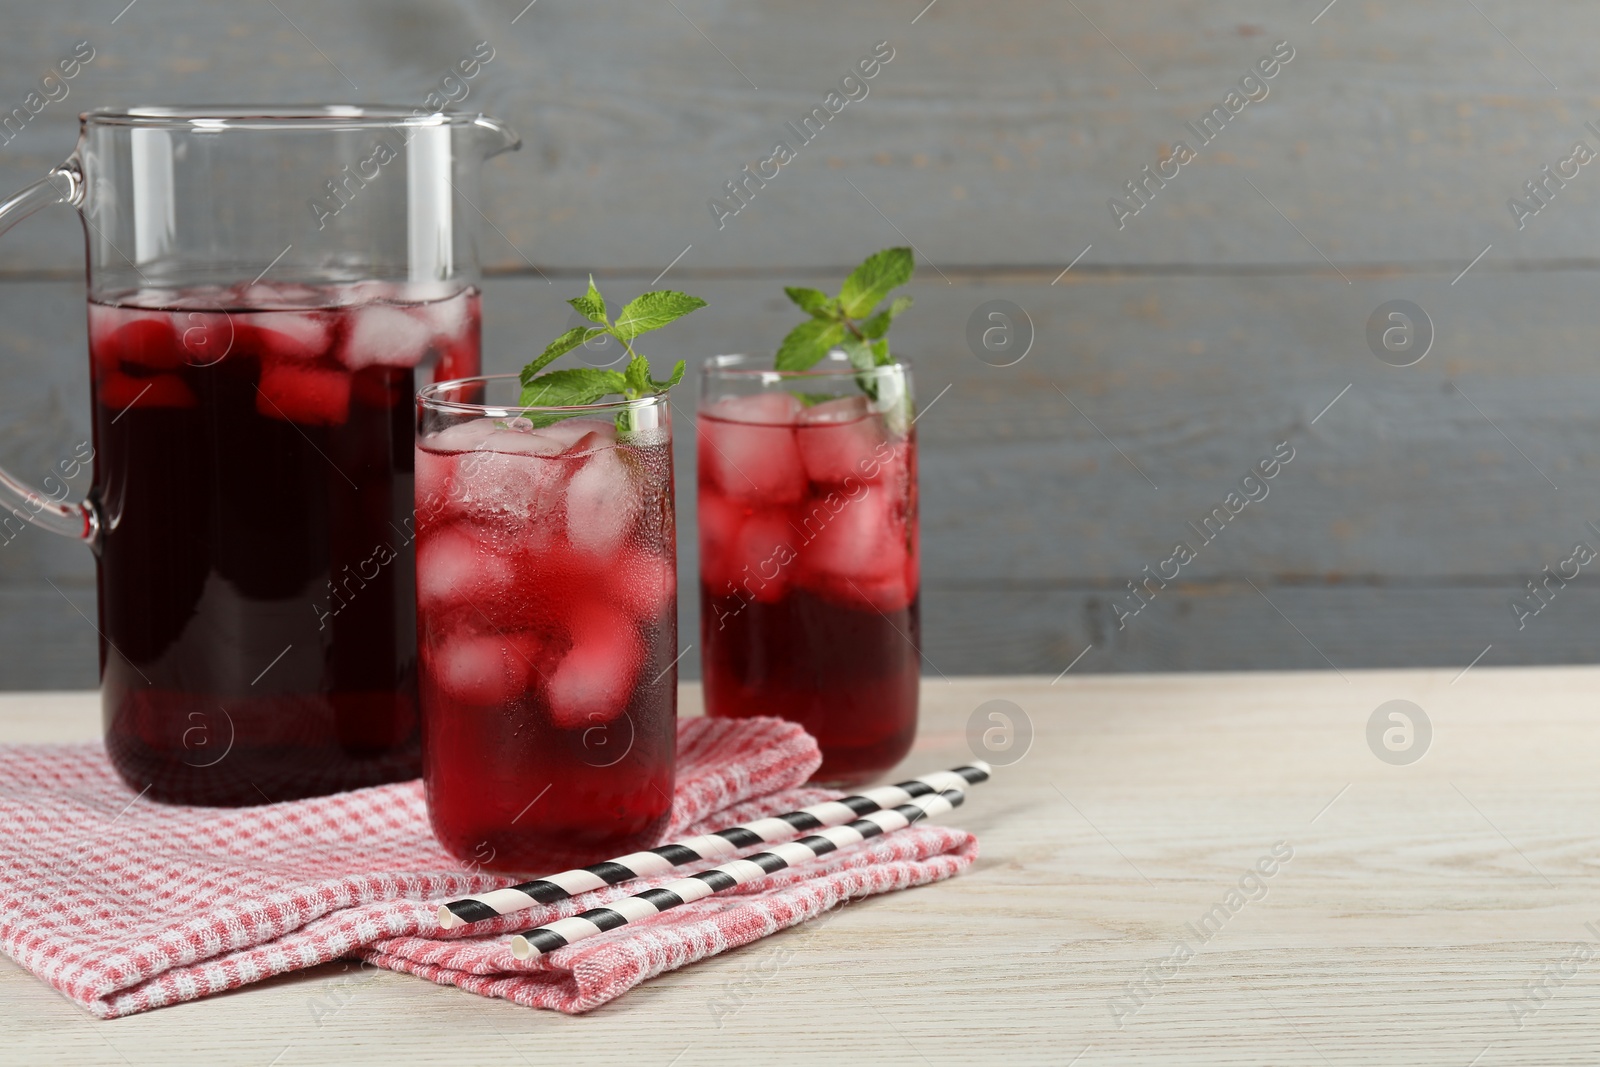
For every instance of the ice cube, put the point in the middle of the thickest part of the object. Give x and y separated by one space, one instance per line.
291 335
461 436
843 409
520 473
643 584
434 472
458 359
502 476
385 335
204 336
447 318
119 392
592 683
841 439
526 441
455 568
499 435
751 459
761 560
575 434
515 491
720 520
147 341
852 542
482 670
458 351
304 394
744 552
604 499
768 409
587 444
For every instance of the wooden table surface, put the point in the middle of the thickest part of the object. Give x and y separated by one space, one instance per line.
1430 913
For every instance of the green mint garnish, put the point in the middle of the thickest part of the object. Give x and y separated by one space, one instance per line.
851 321
575 386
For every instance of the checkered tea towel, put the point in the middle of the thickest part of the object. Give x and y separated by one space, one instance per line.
124 904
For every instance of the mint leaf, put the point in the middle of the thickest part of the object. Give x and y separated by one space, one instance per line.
579 386
639 382
840 323
571 387
591 305
560 347
807 343
653 310
878 325
637 377
871 282
812 301
677 376
859 352
864 358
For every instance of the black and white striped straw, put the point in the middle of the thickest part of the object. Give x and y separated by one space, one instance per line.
675 894
559 887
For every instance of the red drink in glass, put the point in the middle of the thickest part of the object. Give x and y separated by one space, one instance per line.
547 623
256 585
809 558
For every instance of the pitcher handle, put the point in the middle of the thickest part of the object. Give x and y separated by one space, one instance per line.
18 500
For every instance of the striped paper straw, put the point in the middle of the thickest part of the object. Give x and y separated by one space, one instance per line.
564 932
559 887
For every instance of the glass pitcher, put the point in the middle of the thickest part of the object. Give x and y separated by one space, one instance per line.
267 287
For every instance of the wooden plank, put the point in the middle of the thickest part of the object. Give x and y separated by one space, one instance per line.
1226 625
1396 134
1142 802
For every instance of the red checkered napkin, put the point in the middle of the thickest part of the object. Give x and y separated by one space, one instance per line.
126 905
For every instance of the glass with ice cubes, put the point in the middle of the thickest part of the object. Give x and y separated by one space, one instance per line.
809 560
546 624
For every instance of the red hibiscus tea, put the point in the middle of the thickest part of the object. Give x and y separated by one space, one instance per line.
547 624
808 557
256 588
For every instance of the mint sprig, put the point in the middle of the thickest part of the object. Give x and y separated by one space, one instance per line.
574 386
848 321
851 321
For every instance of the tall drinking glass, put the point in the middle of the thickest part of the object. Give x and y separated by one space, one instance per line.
267 286
809 576
547 622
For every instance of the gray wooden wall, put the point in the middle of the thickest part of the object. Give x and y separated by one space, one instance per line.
1177 352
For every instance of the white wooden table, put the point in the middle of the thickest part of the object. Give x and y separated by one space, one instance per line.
1419 902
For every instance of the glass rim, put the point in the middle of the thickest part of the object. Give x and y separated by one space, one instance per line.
428 396
213 117
734 365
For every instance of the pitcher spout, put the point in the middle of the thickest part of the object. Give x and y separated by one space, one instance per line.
497 136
